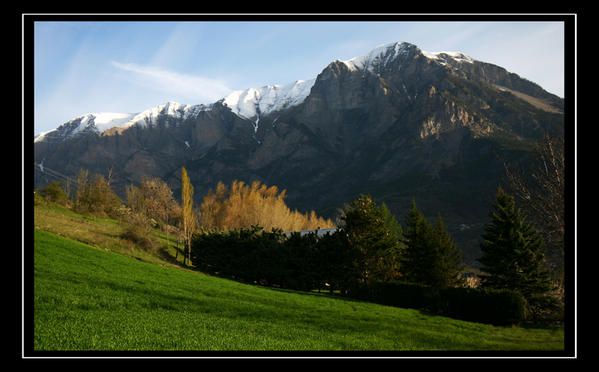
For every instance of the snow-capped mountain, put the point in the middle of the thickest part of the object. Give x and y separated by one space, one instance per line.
248 104
254 103
251 103
93 122
100 123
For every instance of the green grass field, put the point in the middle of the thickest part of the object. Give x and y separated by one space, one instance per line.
89 298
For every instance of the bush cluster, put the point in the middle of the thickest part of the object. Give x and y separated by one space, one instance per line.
499 307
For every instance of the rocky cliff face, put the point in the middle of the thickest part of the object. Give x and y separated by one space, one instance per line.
399 124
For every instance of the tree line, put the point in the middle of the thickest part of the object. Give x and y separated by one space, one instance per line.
372 249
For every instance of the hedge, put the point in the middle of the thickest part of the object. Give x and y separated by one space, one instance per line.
499 307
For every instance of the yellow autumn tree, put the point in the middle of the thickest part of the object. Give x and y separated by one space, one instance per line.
243 205
188 218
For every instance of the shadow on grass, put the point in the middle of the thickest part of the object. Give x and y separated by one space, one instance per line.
164 254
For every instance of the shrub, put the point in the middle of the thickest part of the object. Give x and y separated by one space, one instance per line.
495 306
138 230
95 196
38 199
54 192
499 307
399 294
546 308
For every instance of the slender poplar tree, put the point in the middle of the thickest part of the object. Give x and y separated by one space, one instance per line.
187 217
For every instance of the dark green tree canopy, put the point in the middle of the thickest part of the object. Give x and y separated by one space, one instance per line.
431 256
375 236
513 250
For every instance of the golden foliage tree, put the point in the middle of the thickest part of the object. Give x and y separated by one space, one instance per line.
188 218
244 205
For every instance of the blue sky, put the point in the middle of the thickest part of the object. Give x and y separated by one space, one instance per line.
83 67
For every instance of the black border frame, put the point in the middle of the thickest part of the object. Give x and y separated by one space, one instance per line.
25 23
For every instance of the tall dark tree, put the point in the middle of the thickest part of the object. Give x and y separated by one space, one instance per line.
336 263
431 256
448 264
391 222
513 251
376 245
540 190
417 259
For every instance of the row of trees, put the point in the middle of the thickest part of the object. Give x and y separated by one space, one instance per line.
301 262
423 254
370 247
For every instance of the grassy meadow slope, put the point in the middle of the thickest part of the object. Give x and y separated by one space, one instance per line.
90 298
102 232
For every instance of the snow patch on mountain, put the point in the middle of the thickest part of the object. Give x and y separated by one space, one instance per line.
383 54
380 55
253 102
170 109
441 57
106 120
42 135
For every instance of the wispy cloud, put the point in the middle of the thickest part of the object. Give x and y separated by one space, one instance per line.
193 87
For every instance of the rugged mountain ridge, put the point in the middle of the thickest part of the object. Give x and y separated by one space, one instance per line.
398 123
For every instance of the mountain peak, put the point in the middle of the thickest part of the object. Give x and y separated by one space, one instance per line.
386 53
380 56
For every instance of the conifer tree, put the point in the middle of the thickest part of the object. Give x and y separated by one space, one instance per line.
375 244
391 222
417 259
431 256
448 261
513 251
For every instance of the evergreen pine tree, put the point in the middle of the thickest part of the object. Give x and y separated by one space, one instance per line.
431 256
418 256
391 222
448 266
375 244
513 251
393 257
